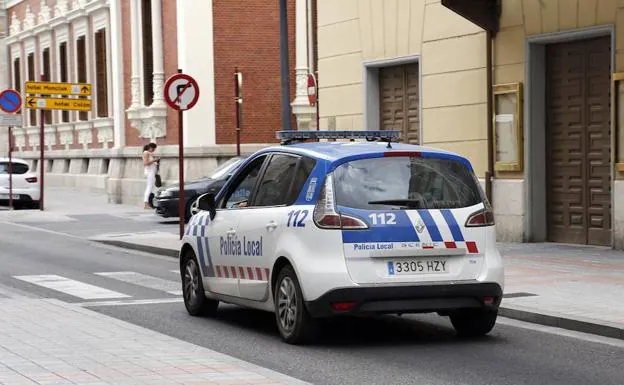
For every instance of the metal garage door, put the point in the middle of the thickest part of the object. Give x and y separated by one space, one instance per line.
399 100
578 136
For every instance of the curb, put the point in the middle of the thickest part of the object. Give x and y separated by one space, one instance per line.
145 248
563 322
521 314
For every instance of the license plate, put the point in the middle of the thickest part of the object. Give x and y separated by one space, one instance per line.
418 266
6 196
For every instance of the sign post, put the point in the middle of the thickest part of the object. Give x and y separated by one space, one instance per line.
10 168
51 103
10 102
181 93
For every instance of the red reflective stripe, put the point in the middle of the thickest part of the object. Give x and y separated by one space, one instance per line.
226 272
267 271
472 247
218 270
427 247
259 274
250 273
450 245
402 153
233 271
241 272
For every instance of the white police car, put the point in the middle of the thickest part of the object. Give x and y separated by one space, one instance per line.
314 230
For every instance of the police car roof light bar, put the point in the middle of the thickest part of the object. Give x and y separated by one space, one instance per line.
290 136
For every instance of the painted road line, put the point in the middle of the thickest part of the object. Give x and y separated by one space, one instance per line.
71 287
130 302
144 280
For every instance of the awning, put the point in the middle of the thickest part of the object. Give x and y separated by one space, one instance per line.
484 13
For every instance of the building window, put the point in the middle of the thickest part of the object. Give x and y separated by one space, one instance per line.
148 58
101 78
63 74
81 60
47 77
17 74
32 114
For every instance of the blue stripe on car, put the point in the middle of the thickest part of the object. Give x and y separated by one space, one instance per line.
402 231
432 227
453 225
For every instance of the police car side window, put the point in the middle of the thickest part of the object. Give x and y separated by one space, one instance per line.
278 177
239 194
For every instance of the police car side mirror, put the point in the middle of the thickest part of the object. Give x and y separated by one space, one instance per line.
206 202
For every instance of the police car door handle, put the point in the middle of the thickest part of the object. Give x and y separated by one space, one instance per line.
271 225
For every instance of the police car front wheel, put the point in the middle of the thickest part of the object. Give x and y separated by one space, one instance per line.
193 288
293 320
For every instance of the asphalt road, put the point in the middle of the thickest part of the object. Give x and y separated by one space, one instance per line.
389 350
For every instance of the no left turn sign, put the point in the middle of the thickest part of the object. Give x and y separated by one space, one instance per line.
181 92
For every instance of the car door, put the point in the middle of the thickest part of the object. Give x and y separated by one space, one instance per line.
265 220
224 243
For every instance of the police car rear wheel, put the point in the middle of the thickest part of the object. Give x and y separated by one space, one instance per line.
473 322
193 289
293 321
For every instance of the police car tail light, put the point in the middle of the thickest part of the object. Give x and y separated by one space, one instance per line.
325 214
484 217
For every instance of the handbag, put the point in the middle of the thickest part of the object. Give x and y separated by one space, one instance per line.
158 179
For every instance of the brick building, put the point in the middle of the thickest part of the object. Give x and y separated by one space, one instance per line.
127 49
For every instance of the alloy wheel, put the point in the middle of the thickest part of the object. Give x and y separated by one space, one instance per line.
287 304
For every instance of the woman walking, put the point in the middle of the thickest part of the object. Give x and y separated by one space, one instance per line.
150 164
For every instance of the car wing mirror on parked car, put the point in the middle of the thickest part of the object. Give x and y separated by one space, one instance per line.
206 202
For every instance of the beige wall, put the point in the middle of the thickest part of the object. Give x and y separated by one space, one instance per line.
452 64
522 18
452 57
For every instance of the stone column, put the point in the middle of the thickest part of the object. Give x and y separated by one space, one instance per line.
135 80
157 44
301 106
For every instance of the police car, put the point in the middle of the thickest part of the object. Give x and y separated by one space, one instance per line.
310 230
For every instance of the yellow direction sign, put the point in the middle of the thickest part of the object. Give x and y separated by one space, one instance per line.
58 104
48 88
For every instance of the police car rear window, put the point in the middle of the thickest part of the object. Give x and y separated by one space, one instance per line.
405 182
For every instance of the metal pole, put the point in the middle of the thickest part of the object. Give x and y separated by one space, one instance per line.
489 174
239 100
285 66
41 155
10 168
181 203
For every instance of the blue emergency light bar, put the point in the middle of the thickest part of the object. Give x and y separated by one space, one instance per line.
294 135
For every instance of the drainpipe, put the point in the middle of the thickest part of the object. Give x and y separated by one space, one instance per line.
489 174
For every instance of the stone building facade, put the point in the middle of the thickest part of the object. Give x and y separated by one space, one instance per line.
547 130
127 49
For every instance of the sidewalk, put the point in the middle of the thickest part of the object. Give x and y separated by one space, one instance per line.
571 287
73 345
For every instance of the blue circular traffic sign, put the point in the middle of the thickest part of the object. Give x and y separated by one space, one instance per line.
10 101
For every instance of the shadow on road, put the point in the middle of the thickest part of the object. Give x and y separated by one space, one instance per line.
387 330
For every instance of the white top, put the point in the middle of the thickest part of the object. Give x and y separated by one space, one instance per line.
151 169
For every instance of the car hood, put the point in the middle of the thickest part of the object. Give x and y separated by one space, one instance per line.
192 185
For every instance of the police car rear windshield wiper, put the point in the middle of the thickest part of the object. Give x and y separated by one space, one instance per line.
410 203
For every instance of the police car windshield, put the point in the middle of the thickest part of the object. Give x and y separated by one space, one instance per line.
405 182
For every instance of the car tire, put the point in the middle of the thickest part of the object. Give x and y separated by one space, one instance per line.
294 323
193 292
473 322
187 209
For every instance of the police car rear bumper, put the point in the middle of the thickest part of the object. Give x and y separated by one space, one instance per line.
441 298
